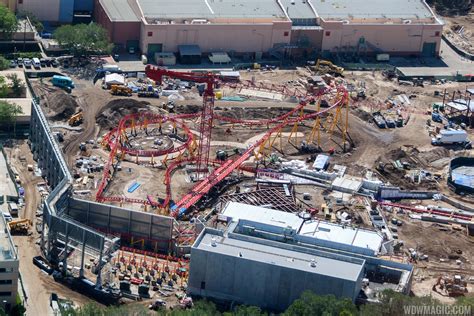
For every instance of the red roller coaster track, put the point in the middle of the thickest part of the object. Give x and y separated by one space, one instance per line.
115 141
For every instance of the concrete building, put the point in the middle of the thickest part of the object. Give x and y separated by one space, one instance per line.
56 11
9 266
24 102
400 27
268 258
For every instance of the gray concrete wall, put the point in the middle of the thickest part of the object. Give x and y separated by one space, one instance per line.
42 147
156 230
256 283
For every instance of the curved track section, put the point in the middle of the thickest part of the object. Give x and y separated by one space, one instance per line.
115 140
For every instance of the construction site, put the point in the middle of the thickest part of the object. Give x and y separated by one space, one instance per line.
143 192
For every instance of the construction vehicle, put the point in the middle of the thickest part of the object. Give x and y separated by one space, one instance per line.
76 119
452 137
63 82
222 154
326 67
19 226
120 90
452 287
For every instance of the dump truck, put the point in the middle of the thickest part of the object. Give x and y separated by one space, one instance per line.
76 119
326 67
121 90
451 137
19 226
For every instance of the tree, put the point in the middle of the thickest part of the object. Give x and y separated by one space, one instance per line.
3 87
83 39
4 63
33 19
8 22
17 85
8 114
247 311
311 304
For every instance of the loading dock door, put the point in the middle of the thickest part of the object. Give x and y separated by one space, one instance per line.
132 43
429 50
152 49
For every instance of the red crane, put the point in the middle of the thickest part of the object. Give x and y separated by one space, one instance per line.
207 114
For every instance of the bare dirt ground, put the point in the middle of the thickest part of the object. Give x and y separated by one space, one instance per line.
372 146
38 285
460 30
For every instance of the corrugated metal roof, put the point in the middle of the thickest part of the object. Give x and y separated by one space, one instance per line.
334 266
344 235
298 9
359 9
201 9
119 11
262 215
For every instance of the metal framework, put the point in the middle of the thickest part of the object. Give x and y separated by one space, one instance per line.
190 152
269 196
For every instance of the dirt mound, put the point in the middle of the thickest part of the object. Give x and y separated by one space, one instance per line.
115 110
61 105
188 109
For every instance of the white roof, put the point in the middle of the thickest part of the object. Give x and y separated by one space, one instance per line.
258 214
114 79
320 161
341 267
347 183
344 235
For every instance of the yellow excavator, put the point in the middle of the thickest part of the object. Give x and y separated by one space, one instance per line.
76 119
120 90
326 67
19 226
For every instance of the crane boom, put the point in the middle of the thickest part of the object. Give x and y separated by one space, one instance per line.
207 114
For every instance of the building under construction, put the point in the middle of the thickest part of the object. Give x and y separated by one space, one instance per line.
268 258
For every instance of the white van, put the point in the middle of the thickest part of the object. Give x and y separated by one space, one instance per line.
36 63
13 208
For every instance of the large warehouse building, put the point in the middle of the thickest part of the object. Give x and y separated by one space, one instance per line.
267 258
400 27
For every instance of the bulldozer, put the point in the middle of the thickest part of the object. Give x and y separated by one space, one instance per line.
326 67
120 90
76 119
19 226
452 287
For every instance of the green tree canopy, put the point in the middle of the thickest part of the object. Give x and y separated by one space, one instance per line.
33 19
17 85
8 22
9 111
83 39
4 63
311 304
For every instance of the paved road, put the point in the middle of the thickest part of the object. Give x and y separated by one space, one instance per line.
38 285
449 65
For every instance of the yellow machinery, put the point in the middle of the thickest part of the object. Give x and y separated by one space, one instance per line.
76 119
327 67
19 226
120 90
